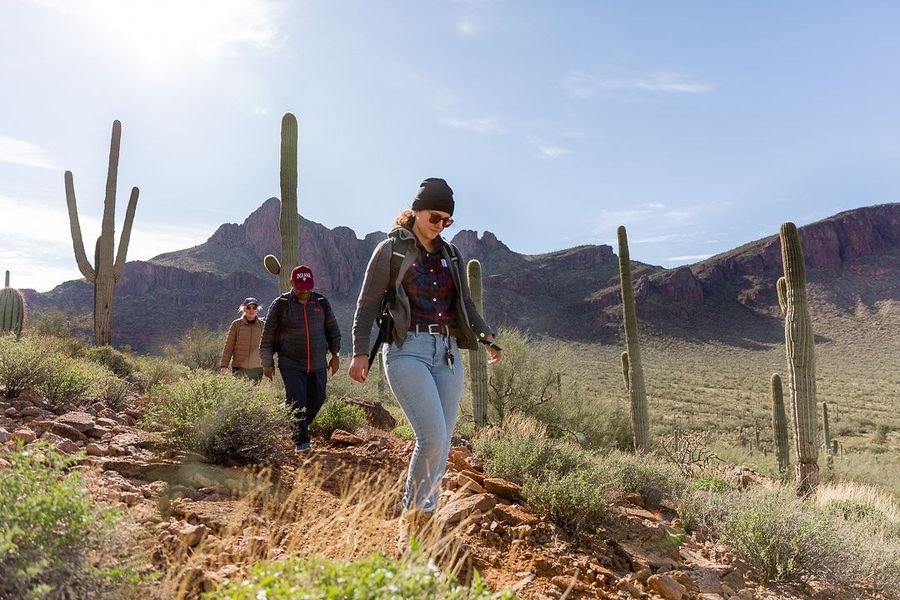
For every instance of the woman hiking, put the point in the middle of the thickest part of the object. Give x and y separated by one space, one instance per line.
433 317
242 343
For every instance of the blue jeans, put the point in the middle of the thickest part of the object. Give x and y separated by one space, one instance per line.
428 391
305 394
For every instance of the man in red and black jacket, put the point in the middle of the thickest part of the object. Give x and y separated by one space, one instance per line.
301 328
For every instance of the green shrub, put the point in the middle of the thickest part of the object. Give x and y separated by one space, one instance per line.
221 417
23 364
375 578
773 533
200 348
156 370
71 380
575 500
48 526
653 479
337 414
521 448
404 431
112 359
711 483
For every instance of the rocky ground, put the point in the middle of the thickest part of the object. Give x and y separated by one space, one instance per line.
178 505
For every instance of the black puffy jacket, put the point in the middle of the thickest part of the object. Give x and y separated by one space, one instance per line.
300 334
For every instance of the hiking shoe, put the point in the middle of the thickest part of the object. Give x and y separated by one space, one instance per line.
302 447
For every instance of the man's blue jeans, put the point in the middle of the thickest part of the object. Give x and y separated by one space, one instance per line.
428 391
305 393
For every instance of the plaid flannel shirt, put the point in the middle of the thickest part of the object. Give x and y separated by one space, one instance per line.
429 286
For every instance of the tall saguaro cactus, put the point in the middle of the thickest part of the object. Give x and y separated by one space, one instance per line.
289 221
640 421
13 310
779 426
107 270
477 356
800 349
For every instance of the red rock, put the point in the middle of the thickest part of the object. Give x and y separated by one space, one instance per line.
503 488
345 437
81 421
469 484
458 459
666 587
24 434
459 509
478 477
512 515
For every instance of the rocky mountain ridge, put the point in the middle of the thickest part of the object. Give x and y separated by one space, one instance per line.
852 258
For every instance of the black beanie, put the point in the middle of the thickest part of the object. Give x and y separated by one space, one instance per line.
434 194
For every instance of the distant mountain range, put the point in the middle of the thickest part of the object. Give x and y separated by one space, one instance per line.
853 268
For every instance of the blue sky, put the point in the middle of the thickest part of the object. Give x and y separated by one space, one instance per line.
698 125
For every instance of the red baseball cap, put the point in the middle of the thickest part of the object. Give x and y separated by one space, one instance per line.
302 278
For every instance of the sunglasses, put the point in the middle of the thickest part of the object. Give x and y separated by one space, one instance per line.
435 218
251 307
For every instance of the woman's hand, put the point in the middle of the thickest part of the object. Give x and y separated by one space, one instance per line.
495 352
359 368
223 370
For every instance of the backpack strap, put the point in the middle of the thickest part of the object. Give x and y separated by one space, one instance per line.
390 293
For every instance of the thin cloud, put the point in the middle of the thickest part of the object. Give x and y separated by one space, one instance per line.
466 28
483 126
587 86
549 151
24 153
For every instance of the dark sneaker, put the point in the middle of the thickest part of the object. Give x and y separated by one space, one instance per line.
302 447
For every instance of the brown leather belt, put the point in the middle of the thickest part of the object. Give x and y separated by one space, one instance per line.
435 329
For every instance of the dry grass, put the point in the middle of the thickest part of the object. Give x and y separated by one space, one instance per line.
343 515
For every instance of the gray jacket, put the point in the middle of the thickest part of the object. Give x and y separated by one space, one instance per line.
375 284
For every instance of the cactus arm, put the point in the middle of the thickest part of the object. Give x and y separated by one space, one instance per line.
6 284
270 262
77 243
781 288
625 369
779 425
125 239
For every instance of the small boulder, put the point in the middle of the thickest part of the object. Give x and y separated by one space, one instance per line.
25 435
345 437
503 488
459 509
81 421
190 535
468 483
67 431
5 436
666 587
512 515
62 444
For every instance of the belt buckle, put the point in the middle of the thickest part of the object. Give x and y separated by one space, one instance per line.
439 329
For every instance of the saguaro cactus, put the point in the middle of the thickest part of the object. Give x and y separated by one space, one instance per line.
289 222
106 272
640 421
477 356
779 426
13 310
800 349
826 430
